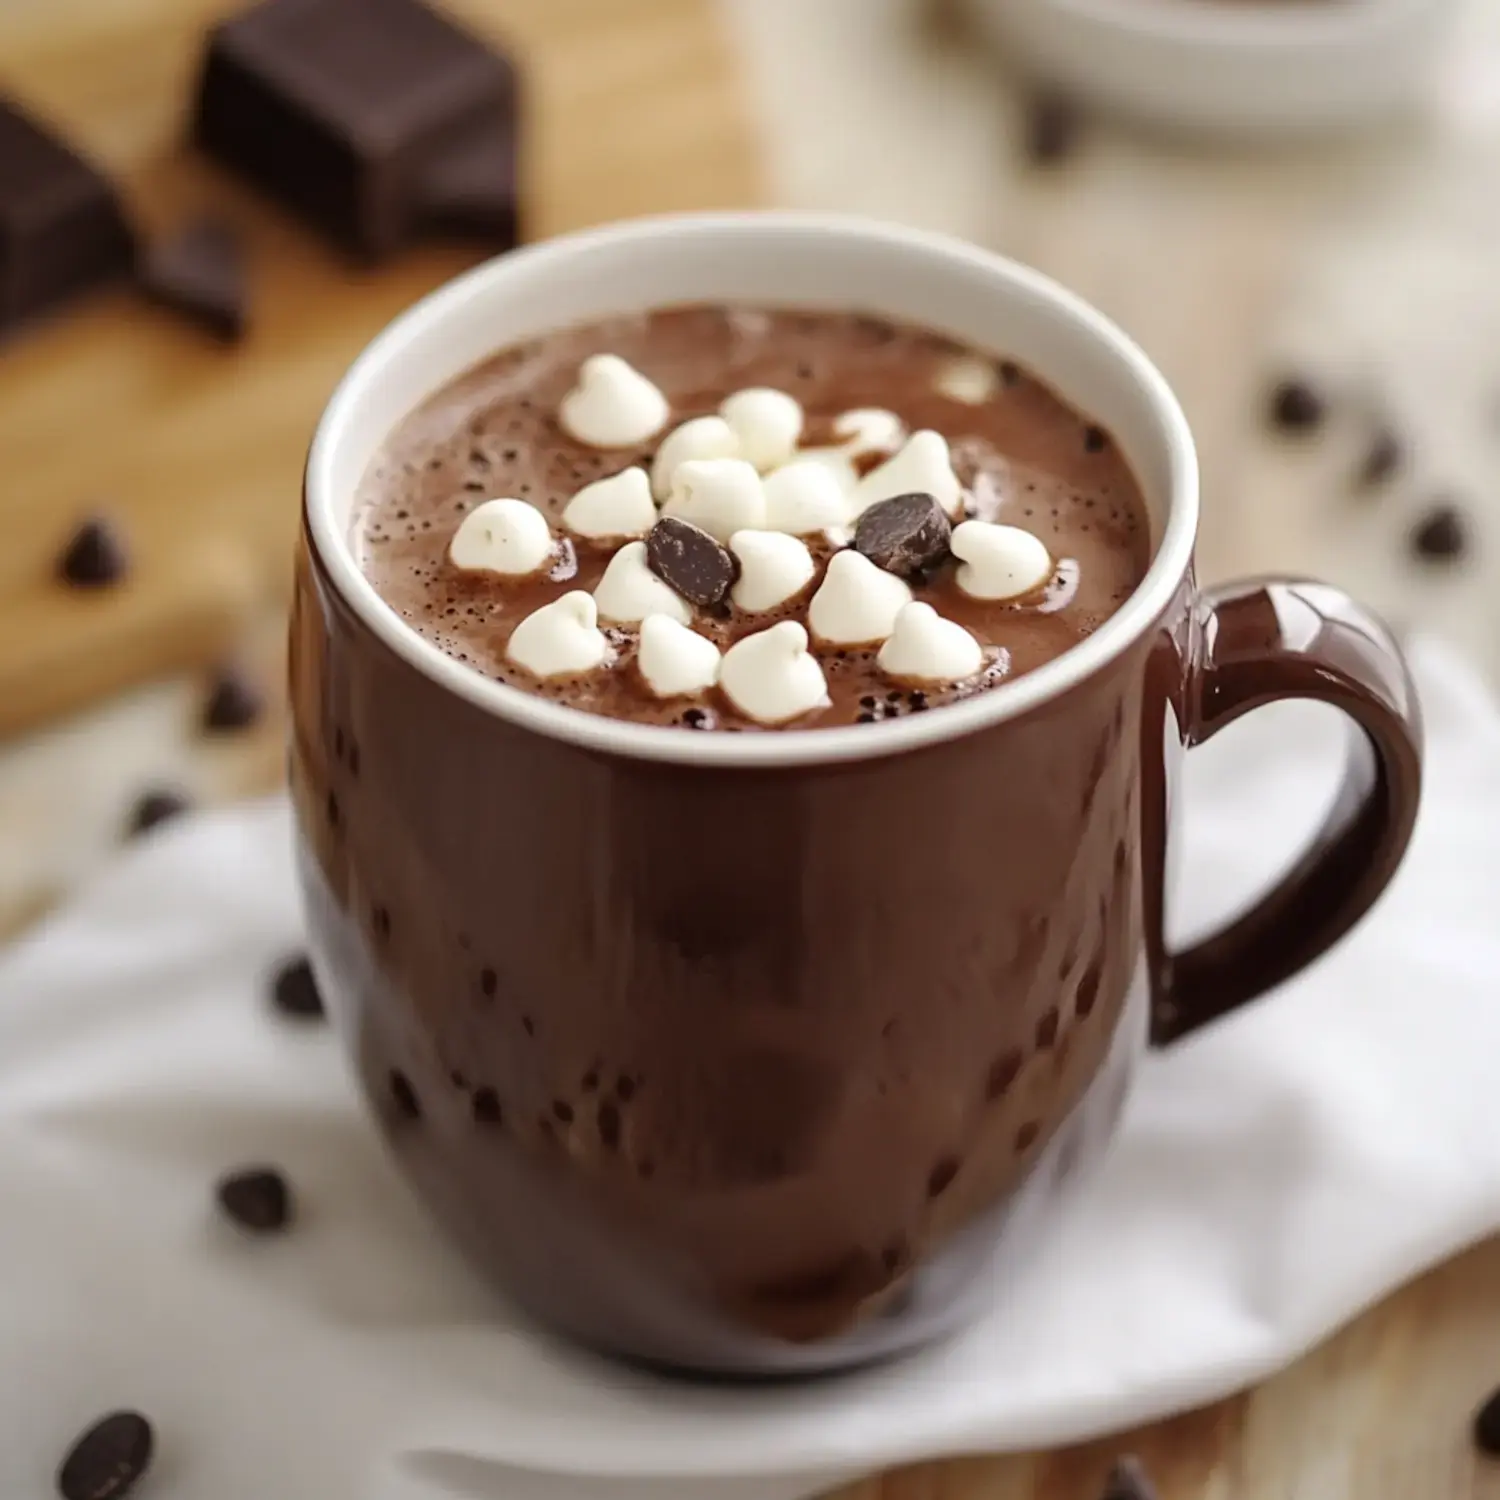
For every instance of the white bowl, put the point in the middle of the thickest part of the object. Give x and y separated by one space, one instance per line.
1249 68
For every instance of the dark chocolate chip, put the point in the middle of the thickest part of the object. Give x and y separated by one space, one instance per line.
95 558
1127 1481
294 991
1296 406
404 1096
158 805
904 534
1487 1427
1052 129
688 559
200 273
1095 439
257 1198
1382 460
234 702
1441 536
1010 372
106 1462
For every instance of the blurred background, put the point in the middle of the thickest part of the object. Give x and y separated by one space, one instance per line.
1294 205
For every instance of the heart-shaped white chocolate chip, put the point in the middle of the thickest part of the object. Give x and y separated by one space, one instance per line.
803 498
560 639
771 676
999 562
774 567
719 495
926 648
613 405
922 467
508 537
675 662
702 437
613 509
629 590
767 424
857 603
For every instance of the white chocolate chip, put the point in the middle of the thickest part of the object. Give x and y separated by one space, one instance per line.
629 590
921 467
720 495
703 437
767 424
676 662
509 537
968 379
999 562
771 677
869 429
560 639
774 567
924 647
805 497
857 603
613 405
612 509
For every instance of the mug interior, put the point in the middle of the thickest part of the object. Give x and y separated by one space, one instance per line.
786 260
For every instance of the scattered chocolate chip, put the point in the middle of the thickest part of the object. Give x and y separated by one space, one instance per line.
1052 129
404 1095
95 558
1442 535
234 702
108 1459
158 805
1487 1427
904 534
1128 1481
688 559
1296 406
294 991
1382 460
1095 439
257 1198
200 273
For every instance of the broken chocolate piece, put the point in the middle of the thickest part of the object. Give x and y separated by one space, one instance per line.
1127 1481
200 273
904 534
1441 536
343 111
108 1459
258 1199
1052 128
234 702
471 190
688 559
154 807
62 230
1296 406
95 558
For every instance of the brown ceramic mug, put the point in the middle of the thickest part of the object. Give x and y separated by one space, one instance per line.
765 1053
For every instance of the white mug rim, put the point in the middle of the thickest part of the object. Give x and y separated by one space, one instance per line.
781 748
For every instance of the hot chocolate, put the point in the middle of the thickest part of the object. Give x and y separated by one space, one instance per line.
742 518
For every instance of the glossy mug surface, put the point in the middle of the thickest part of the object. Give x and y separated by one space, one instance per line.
759 1054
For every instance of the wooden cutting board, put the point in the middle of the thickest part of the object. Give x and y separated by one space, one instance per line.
633 108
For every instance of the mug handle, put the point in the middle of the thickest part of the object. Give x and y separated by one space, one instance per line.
1262 642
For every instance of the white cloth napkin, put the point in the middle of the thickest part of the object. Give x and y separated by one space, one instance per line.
1273 1176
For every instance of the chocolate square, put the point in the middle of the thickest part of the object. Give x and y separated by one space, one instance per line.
344 110
62 229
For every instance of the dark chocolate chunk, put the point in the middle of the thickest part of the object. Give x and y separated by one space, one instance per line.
1441 536
1052 129
1296 406
471 190
1128 1481
95 558
234 702
257 1199
1382 459
200 273
343 109
904 534
158 805
1487 1427
106 1462
62 230
688 559
294 990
